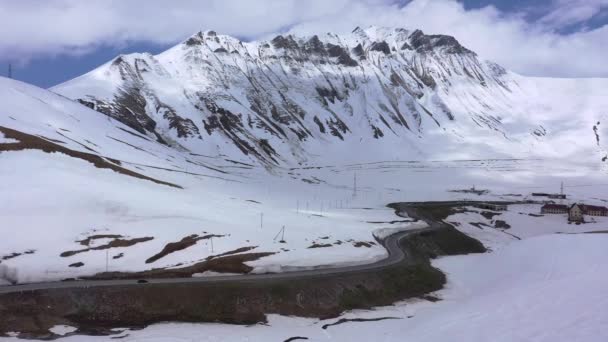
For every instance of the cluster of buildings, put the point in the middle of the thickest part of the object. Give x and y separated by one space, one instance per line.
576 212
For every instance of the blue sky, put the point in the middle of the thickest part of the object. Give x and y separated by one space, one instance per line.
53 41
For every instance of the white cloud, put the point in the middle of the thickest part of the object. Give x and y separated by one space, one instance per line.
33 28
529 49
566 13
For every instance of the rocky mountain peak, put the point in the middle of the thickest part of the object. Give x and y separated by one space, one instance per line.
271 100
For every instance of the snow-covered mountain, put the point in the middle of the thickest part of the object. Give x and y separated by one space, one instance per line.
188 138
373 94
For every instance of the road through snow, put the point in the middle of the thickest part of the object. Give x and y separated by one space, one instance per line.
391 243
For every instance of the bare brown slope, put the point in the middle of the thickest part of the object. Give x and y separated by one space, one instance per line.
27 141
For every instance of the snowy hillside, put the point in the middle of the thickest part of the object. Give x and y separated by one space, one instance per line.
535 290
386 93
80 188
216 145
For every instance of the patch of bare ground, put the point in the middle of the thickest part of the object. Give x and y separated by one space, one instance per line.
89 239
488 214
347 320
500 224
15 254
320 245
116 243
367 244
223 264
234 251
184 243
27 141
295 338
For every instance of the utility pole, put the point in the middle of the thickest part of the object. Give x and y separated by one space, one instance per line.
561 197
211 240
261 220
355 185
107 259
282 233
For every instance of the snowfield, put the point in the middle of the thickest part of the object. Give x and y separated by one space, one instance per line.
57 204
543 288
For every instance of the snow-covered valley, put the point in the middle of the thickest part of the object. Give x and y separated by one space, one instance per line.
283 148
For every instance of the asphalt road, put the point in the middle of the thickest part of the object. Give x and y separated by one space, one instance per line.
391 243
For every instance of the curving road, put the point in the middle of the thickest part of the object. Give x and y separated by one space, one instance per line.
391 243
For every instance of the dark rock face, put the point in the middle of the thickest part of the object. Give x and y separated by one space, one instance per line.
185 127
195 40
406 46
89 104
382 47
129 107
343 56
427 43
287 43
315 46
231 125
358 51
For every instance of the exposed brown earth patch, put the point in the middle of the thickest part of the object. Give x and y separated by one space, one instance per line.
116 243
235 251
500 224
14 255
27 141
184 243
367 244
77 264
488 214
225 264
88 240
295 338
320 245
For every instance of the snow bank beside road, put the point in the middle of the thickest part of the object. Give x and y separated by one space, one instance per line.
383 233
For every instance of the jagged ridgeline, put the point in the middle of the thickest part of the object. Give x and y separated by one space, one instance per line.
276 101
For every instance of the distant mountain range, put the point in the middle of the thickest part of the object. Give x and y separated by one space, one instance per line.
376 92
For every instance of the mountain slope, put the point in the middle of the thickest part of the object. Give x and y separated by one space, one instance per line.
394 92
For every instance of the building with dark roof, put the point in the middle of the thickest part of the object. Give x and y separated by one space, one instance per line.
551 208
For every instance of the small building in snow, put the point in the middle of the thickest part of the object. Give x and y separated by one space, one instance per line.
551 208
